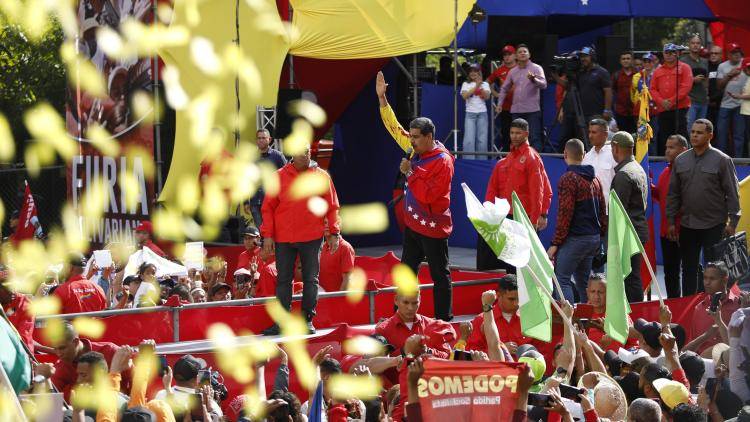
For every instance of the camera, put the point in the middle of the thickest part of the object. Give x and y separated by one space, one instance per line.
567 64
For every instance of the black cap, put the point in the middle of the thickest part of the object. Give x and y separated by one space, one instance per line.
137 414
76 259
650 332
217 288
522 349
613 362
186 368
629 385
251 231
384 341
654 371
693 365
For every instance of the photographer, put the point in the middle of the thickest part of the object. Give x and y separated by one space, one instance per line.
594 86
717 296
189 373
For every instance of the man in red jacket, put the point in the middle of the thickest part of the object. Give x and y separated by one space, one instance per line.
290 230
670 89
676 145
506 317
428 172
79 294
522 171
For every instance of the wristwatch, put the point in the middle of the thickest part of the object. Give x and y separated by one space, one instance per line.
487 308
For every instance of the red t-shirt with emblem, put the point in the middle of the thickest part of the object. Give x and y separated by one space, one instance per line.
80 295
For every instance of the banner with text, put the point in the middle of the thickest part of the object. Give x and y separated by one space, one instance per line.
468 391
135 136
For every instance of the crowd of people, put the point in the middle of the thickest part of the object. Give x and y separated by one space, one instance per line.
686 83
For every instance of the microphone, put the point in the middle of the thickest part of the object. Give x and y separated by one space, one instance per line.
409 152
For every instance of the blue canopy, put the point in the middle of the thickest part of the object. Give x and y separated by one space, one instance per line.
570 17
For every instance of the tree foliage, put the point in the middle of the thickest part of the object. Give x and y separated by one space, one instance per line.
31 72
652 33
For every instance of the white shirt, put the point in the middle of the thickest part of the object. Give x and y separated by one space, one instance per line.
145 289
475 103
604 166
180 399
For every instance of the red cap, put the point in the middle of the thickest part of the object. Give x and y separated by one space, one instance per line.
145 226
733 46
509 49
745 63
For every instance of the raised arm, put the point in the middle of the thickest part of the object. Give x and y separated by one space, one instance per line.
399 134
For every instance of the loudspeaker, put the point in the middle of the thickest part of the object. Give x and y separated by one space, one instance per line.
504 30
283 118
608 49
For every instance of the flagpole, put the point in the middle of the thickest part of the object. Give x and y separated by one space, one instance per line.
565 319
653 277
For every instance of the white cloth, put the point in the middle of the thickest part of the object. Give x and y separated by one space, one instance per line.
164 267
475 103
604 166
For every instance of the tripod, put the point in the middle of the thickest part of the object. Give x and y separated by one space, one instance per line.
580 120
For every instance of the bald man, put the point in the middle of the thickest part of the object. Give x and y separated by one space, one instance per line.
581 221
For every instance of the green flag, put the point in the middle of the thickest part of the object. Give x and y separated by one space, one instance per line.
622 244
536 315
13 357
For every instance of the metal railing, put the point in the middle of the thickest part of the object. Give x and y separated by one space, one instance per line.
652 158
175 311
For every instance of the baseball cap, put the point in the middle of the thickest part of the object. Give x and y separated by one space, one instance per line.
509 49
693 365
535 360
629 384
187 367
242 271
671 392
588 51
613 362
137 414
145 226
672 47
648 56
76 259
523 349
717 351
733 46
384 341
217 288
623 139
629 357
475 66
649 330
251 231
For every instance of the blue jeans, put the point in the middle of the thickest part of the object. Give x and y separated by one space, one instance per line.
475 134
696 111
573 259
727 117
535 128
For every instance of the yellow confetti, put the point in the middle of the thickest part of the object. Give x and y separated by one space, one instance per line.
82 71
31 158
46 305
165 13
53 332
113 45
89 327
309 184
189 194
12 9
35 19
345 386
177 98
204 57
364 218
309 110
102 140
142 158
270 178
145 108
405 280
168 224
149 39
355 289
46 125
317 205
131 189
202 114
95 200
7 144
214 206
363 345
244 67
299 139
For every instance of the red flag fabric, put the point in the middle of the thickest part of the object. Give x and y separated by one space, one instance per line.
468 391
27 218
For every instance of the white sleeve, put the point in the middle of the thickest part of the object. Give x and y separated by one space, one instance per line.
465 87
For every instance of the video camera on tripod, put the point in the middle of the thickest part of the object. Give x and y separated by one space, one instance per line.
567 64
570 66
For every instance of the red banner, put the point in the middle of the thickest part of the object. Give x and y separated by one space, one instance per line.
468 391
113 113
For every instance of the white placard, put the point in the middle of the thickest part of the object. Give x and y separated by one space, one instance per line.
193 257
103 258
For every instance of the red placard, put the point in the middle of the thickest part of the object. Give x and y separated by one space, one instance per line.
468 391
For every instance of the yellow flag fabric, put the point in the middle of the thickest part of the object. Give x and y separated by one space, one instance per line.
322 29
360 29
644 131
266 44
744 224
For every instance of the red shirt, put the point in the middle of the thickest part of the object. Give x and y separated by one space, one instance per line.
334 265
522 171
65 376
702 321
440 334
157 250
621 84
249 257
664 83
499 75
267 282
660 192
288 219
21 317
428 195
80 295
510 331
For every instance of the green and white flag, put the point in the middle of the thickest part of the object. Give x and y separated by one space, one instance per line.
622 244
536 314
507 238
